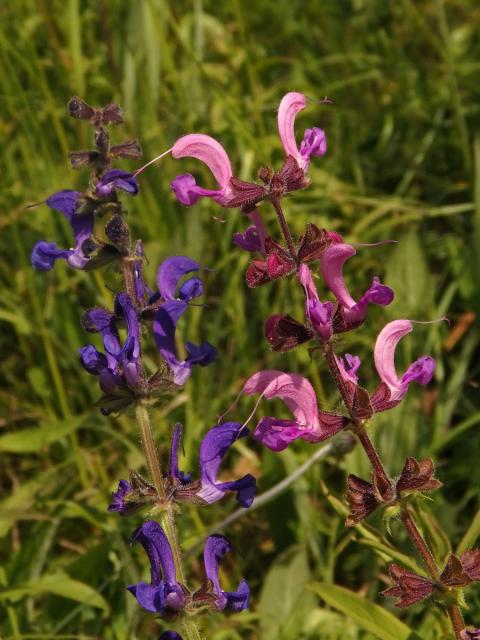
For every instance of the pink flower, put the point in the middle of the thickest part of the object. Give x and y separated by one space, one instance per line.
319 314
297 393
233 192
352 313
392 388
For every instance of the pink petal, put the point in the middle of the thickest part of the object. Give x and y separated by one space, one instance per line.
291 104
333 260
384 355
295 390
209 151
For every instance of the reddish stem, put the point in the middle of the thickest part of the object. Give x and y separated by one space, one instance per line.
285 229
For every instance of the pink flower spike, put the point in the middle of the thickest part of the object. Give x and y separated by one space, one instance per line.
211 153
353 312
299 396
420 371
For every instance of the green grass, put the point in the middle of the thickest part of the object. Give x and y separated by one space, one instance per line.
403 163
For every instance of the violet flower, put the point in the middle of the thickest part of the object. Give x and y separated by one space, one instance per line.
232 192
470 634
45 254
169 313
253 239
164 593
117 368
116 179
309 423
352 313
215 548
319 314
118 503
213 449
392 388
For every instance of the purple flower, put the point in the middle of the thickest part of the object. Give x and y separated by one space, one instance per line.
352 313
119 366
392 388
213 449
253 239
215 548
163 593
169 313
348 366
470 634
319 314
44 254
116 179
170 635
118 503
409 588
297 393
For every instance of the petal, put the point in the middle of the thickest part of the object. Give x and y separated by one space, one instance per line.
190 289
420 371
124 306
170 635
348 367
248 240
291 104
116 179
314 143
202 354
240 599
384 356
212 451
188 192
278 434
64 201
118 497
164 327
207 150
45 254
320 314
173 470
333 259
295 390
149 597
171 271
152 538
215 548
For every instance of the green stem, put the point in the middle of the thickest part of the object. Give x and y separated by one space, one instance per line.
167 519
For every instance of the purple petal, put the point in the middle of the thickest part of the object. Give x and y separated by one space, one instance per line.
212 451
277 434
420 371
45 254
124 306
348 367
164 327
202 354
64 201
291 104
118 497
116 179
170 635
248 240
319 313
190 289
152 538
173 470
171 271
188 192
314 143
149 597
216 547
333 259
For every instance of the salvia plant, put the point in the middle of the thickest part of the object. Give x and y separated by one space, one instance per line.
315 260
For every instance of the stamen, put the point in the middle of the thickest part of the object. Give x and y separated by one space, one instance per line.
138 171
442 319
373 244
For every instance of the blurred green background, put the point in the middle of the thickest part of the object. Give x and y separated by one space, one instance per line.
403 163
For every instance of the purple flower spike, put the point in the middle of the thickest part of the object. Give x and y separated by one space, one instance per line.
210 152
116 179
163 593
215 548
314 141
420 371
44 254
212 451
118 497
352 312
297 393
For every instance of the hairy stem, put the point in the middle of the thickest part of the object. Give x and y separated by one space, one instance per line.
285 229
408 522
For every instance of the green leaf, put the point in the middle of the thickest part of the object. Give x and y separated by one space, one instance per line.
62 585
36 438
367 615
